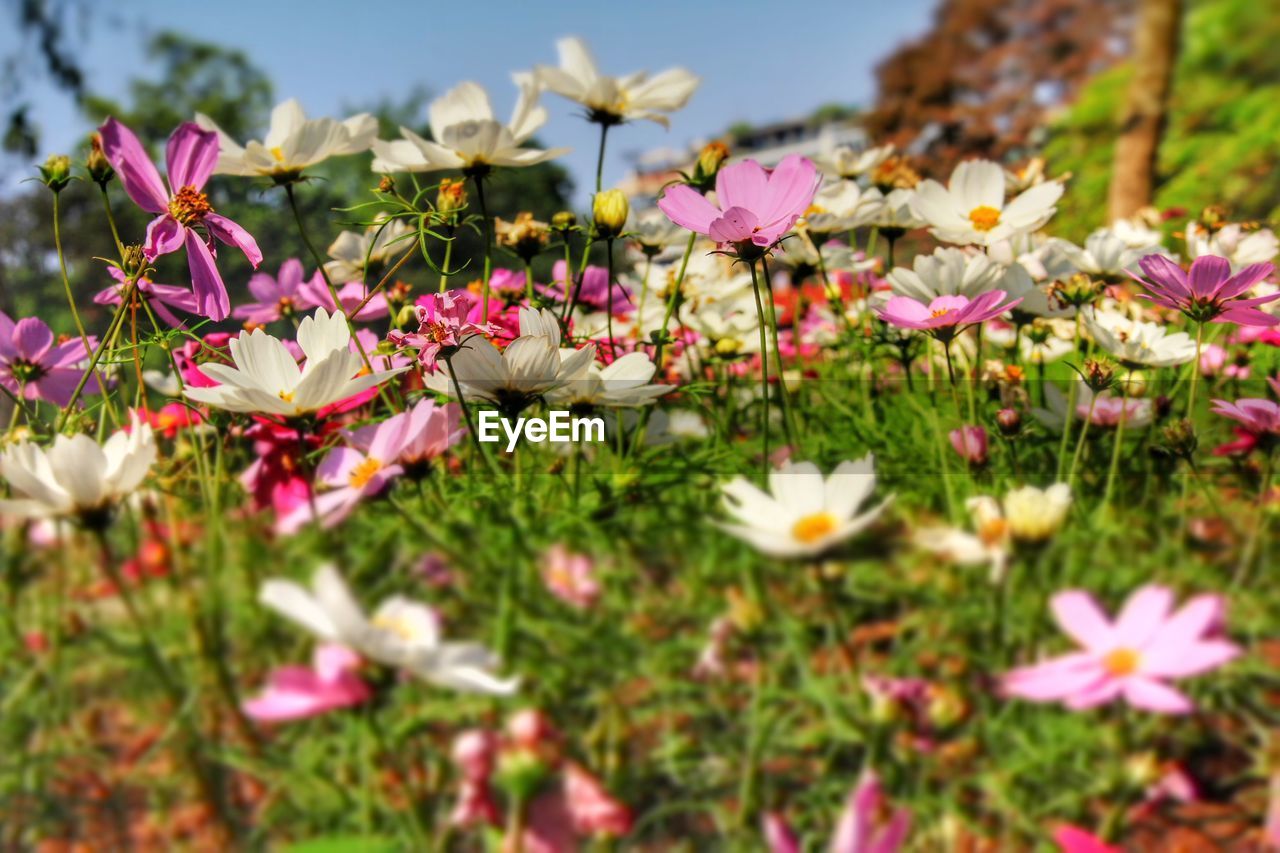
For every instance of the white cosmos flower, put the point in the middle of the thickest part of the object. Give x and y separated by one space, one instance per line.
1028 514
843 206
353 252
653 231
465 134
401 633
845 162
530 366
76 475
1138 343
1036 298
803 514
1233 242
972 208
947 272
293 142
1105 254
623 383
896 212
611 100
267 380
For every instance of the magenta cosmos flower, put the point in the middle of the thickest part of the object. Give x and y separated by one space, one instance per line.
1208 291
946 316
1259 417
298 692
184 217
1130 657
445 320
160 297
34 367
277 296
756 206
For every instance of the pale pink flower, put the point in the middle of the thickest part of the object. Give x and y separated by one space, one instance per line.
1130 658
315 293
277 296
945 316
475 752
570 577
297 692
756 206
432 429
970 442
861 827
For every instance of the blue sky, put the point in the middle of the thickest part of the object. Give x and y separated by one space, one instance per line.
758 60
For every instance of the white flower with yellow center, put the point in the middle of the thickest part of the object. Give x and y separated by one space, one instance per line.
76 476
803 514
613 100
845 162
1139 344
293 142
843 206
896 213
267 380
353 253
401 633
971 209
465 134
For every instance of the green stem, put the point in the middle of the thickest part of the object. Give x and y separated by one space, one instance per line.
478 180
604 133
1195 371
787 415
673 299
764 376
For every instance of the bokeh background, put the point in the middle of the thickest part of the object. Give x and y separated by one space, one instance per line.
943 79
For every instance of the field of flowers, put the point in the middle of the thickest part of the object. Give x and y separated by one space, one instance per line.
883 519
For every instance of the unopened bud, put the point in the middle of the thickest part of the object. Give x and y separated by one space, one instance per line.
386 185
564 221
1180 439
1098 375
1078 291
710 159
100 170
525 237
135 261
609 211
452 196
56 172
1009 421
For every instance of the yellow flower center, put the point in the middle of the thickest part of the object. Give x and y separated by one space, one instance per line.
940 312
1121 662
287 396
189 204
278 154
993 532
363 472
984 218
813 528
402 628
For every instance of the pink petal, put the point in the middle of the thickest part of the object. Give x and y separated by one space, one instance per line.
735 226
1207 274
1078 614
1142 616
1151 695
32 339
138 174
745 185
791 189
778 837
164 235
232 234
211 294
1245 279
190 156
687 208
1182 661
1099 694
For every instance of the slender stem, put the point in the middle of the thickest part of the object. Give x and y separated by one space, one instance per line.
604 133
1071 406
1115 450
1195 371
770 305
764 374
116 320
448 259
66 281
673 299
111 220
478 180
613 352
1084 431
528 280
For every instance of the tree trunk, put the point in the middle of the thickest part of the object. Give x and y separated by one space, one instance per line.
1155 52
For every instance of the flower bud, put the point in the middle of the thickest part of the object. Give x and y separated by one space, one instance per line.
521 772
56 172
452 196
135 261
526 237
970 442
609 210
1098 375
1078 291
386 185
710 159
564 221
100 171
895 173
1009 421
1180 439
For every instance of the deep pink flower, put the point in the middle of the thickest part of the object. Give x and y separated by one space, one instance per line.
161 297
757 206
34 367
946 316
1130 657
184 216
277 296
1208 291
507 283
475 752
298 692
861 827
1073 839
570 577
971 443
314 293
1259 417
594 291
445 320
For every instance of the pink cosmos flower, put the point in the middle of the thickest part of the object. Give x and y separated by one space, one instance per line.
298 692
353 473
277 296
475 752
507 283
1259 417
570 577
184 216
1073 839
946 316
432 429
1215 359
314 293
1208 291
971 443
756 206
161 297
1130 657
579 807
34 367
860 829
445 320
594 291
